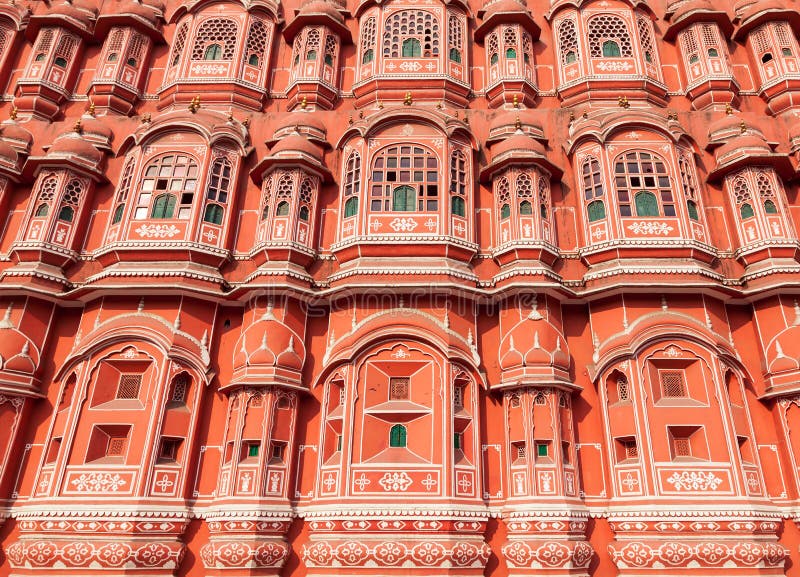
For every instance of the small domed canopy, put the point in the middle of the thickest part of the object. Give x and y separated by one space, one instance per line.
690 12
753 13
9 160
728 127
268 353
78 16
519 149
96 131
507 123
499 12
312 126
748 148
294 150
534 352
70 150
318 12
16 135
143 15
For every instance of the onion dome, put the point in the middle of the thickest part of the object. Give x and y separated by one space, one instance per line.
268 352
505 12
534 351
752 13
312 126
686 12
144 15
509 122
17 353
78 16
519 149
318 12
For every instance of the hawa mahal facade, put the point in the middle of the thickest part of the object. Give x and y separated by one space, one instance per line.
399 288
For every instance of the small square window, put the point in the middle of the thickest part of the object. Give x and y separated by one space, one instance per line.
278 451
458 397
128 386
672 384
398 388
458 441
542 449
253 449
681 447
169 449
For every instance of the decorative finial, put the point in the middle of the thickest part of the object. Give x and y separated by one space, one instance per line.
623 102
407 100
728 109
380 105
518 124
77 127
91 108
146 118
177 323
304 103
361 114
194 105
742 127
515 102
664 306
672 115
796 313
571 116
141 305
350 119
13 114
6 322
535 315
268 314
246 123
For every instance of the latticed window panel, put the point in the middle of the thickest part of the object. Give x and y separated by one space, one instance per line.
115 43
510 39
411 25
527 48
544 197
455 35
520 450
47 190
607 28
128 386
540 399
179 387
649 49
266 196
399 388
45 40
179 44
408 171
171 175
568 42
689 44
623 390
458 183
765 188
630 449
221 31
312 43
672 384
502 193
66 47
330 50
592 179
257 42
116 446
352 175
642 181
458 397
305 196
283 194
492 47
135 49
70 200
368 36
681 447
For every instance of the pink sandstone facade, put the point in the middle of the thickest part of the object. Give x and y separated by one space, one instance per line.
399 288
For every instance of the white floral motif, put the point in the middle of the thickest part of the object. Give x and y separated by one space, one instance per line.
98 482
650 228
158 230
694 481
395 481
614 66
403 224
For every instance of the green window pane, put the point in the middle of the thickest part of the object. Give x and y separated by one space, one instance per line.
597 211
691 208
350 207
118 214
458 206
511 53
369 56
43 210
283 209
404 198
746 211
213 214
611 49
397 436
411 48
525 208
770 208
646 204
252 450
505 211
541 449
164 206
213 52
455 55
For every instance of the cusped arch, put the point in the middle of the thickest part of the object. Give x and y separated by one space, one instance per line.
271 7
409 324
557 6
146 327
603 127
213 127
658 327
369 127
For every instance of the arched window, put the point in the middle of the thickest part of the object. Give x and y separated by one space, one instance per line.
70 201
368 40
352 184
306 192
312 44
691 209
412 48
511 53
180 42
458 183
524 186
163 206
608 33
644 25
611 49
689 185
544 197
413 167
593 189
330 50
175 174
60 62
303 214
283 209
455 55
397 436
503 194
741 194
115 45
404 198
135 49
219 32
213 214
766 193
213 52
47 191
65 50
257 40
525 208
265 198
67 213
505 211
411 34
219 182
124 188
636 173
